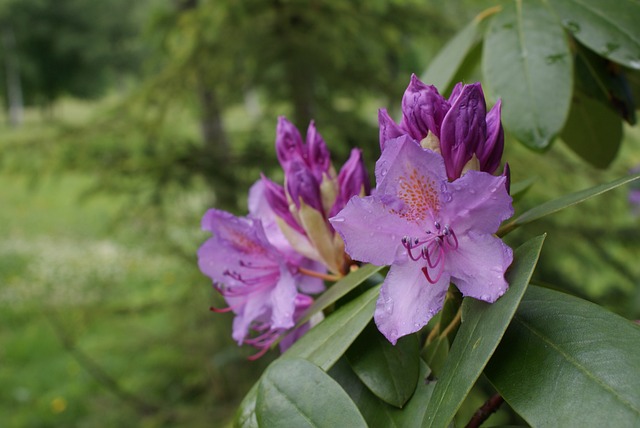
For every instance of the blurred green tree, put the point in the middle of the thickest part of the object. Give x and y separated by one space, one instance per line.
70 47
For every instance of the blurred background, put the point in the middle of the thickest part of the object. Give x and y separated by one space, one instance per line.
122 122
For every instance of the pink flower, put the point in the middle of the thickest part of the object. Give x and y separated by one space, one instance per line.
431 231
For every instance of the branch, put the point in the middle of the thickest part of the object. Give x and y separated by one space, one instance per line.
483 413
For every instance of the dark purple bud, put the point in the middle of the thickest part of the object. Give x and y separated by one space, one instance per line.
455 92
289 144
463 128
388 128
319 157
302 185
489 153
423 109
277 200
352 179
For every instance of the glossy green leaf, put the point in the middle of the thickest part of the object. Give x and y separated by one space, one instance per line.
599 79
445 65
570 363
340 289
296 393
593 131
377 413
246 414
390 372
483 325
528 64
610 28
555 205
325 343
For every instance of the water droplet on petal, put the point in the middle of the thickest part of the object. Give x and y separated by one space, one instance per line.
472 191
485 297
337 219
393 334
388 306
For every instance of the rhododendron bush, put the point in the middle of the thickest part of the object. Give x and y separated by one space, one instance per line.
393 295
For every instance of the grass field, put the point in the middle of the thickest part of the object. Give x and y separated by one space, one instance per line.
99 328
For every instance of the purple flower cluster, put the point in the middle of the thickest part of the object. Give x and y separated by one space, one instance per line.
459 127
430 220
268 265
432 217
312 193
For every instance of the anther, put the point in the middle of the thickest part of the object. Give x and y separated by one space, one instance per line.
437 225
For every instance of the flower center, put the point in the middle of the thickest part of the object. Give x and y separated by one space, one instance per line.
432 247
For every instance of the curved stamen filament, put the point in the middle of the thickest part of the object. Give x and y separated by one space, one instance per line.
434 247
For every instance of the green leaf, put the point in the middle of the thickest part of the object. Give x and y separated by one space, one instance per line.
450 58
483 325
565 201
296 393
528 64
521 187
377 413
245 416
325 343
339 289
568 362
598 78
593 131
435 354
390 372
610 28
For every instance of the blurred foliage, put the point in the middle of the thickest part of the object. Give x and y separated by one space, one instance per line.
71 47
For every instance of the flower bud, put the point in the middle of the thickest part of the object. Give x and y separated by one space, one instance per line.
289 144
318 158
463 128
423 109
352 180
277 200
388 128
302 186
490 151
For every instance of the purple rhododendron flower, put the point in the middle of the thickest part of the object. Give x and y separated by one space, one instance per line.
459 127
259 282
431 231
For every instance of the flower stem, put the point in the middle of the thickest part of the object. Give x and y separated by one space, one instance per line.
487 409
324 276
455 322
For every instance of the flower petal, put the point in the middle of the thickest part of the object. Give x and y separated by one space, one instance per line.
477 267
407 300
479 201
282 301
370 232
414 176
